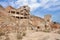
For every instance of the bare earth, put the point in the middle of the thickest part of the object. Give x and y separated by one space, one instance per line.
41 36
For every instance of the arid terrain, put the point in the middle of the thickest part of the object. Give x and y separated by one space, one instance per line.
19 24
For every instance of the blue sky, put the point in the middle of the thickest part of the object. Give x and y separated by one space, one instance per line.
38 7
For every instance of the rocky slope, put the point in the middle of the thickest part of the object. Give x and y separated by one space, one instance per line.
19 29
41 36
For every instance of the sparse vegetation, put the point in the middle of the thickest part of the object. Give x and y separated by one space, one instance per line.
1 34
46 30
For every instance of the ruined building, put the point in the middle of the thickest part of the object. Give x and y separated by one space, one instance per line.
47 18
21 13
48 21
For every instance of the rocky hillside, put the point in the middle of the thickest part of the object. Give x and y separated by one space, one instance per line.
12 28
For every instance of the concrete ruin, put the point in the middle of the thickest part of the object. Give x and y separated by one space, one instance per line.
21 13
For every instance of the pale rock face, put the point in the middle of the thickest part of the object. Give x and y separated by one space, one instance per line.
12 36
2 38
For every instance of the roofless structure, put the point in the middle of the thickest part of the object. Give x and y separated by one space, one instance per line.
21 13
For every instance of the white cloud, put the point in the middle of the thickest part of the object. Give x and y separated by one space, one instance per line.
45 4
32 3
52 5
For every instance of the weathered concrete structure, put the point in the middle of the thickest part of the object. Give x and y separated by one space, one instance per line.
21 13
